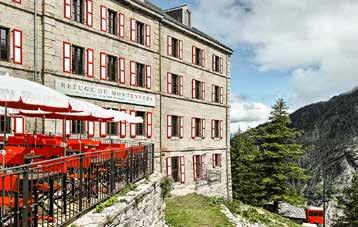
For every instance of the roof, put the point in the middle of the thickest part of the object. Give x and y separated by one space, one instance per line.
160 11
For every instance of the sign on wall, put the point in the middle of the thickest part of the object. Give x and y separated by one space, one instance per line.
103 92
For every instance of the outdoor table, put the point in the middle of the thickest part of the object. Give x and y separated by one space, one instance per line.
30 157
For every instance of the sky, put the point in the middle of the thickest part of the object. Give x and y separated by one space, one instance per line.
303 51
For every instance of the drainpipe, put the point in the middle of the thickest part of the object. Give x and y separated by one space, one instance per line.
227 133
35 41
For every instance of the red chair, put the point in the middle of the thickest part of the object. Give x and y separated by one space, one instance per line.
14 155
16 140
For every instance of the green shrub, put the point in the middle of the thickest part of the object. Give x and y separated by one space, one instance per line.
166 185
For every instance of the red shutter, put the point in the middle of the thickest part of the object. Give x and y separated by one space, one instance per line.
212 129
221 129
17 46
203 128
90 128
203 90
169 167
148 76
133 132
194 168
67 57
221 65
169 83
147 35
67 10
221 161
122 72
103 129
193 93
103 66
133 69
89 13
90 61
17 1
121 25
133 30
103 18
122 127
203 166
213 63
149 121
19 126
169 126
181 132
213 93
193 127
193 54
182 169
181 49
202 58
213 160
181 85
170 46
221 95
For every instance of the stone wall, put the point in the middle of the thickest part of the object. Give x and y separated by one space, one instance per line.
144 206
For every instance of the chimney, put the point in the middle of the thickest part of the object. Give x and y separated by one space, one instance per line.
182 14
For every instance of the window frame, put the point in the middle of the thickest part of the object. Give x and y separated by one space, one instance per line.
141 127
140 32
78 16
112 69
77 65
112 23
7 41
78 127
140 75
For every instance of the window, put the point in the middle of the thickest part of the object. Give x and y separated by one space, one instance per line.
140 32
175 47
4 44
112 22
140 75
198 166
175 126
198 56
77 60
175 84
198 127
140 130
216 129
216 160
77 10
78 127
218 64
112 68
198 89
217 94
112 128
2 124
175 169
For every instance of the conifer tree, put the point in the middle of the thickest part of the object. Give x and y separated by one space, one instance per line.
348 202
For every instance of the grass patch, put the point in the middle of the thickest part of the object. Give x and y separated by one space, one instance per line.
195 211
259 215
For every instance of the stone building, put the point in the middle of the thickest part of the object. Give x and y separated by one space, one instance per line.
130 56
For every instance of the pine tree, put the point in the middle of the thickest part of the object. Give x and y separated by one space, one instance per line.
348 202
278 157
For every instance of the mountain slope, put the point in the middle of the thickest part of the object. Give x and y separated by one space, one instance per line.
330 134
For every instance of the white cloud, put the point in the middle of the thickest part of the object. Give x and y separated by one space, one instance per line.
246 114
316 41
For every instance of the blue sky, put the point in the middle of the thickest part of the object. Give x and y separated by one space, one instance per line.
301 50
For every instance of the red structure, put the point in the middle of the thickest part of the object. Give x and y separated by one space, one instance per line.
315 215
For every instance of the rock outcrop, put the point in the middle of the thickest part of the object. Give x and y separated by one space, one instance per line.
330 135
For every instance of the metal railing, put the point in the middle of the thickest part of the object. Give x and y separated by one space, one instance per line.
57 191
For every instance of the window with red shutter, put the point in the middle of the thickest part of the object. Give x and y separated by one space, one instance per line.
182 169
104 18
169 126
123 126
149 121
121 22
17 46
67 11
147 35
67 57
122 74
90 62
103 66
132 126
148 75
133 30
89 13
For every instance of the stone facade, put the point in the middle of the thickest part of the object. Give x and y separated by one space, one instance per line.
53 29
